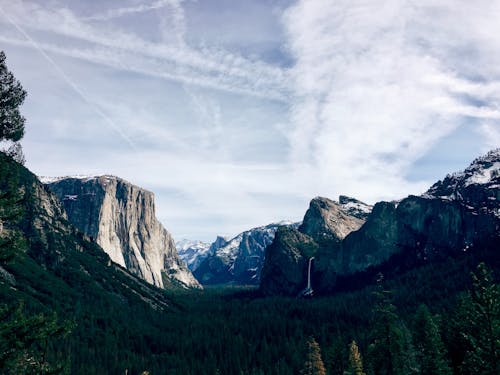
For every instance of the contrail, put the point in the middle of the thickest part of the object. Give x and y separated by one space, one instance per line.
70 82
115 13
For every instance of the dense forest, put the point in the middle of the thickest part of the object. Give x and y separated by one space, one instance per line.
418 323
65 308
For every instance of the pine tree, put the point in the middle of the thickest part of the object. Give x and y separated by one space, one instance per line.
314 364
390 352
428 344
24 341
12 95
355 363
480 324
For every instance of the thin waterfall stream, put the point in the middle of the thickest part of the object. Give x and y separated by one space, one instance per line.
308 291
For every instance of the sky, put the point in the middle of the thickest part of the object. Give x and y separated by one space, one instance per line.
237 113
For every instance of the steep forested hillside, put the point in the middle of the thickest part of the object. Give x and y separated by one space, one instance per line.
48 266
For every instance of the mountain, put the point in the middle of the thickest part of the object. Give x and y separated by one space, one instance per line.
329 220
457 215
53 263
326 223
192 252
120 217
237 261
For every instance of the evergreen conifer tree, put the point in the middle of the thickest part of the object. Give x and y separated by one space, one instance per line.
480 324
12 95
314 364
24 341
390 352
355 363
430 350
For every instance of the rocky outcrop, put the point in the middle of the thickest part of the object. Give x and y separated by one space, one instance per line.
56 263
192 252
120 217
237 261
326 223
452 217
329 220
285 267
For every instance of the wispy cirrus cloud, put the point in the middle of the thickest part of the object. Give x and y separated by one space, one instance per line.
120 49
140 8
369 89
377 84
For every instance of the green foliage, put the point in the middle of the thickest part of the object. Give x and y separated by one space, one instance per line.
390 352
11 239
314 363
24 341
430 350
124 323
12 96
355 363
479 324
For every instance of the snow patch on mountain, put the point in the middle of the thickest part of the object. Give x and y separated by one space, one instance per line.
355 207
192 252
484 171
240 259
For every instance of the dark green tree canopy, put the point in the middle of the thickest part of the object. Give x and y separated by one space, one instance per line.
12 95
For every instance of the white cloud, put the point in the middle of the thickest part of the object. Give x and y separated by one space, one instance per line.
108 45
120 12
377 83
373 86
491 134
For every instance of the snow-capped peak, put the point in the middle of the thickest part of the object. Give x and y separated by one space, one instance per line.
484 171
477 187
192 252
355 207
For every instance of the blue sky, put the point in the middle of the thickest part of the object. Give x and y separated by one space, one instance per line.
237 113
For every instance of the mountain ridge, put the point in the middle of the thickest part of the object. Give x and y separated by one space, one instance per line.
454 215
120 216
238 260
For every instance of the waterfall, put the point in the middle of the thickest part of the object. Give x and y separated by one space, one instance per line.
308 291
309 274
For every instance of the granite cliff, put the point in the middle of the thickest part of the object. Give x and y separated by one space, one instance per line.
120 217
461 213
54 262
326 223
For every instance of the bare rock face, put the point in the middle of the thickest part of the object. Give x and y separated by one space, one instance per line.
237 261
326 223
58 255
285 267
327 219
461 213
120 217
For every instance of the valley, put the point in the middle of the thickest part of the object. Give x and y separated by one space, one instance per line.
351 149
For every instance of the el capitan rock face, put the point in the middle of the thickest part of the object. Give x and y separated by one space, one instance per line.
453 216
56 262
120 217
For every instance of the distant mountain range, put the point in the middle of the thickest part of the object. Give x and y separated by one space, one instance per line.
235 261
459 214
